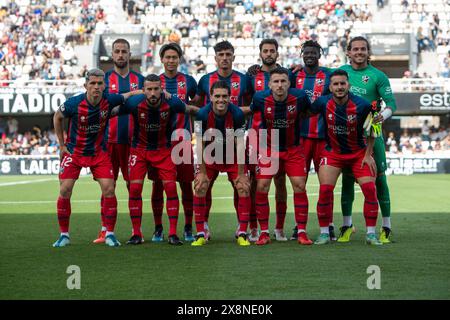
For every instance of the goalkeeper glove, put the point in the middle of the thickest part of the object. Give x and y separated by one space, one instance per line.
375 128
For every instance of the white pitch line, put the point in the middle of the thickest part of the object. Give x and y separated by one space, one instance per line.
126 200
14 183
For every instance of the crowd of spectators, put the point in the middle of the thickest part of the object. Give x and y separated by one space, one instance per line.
430 140
38 37
33 142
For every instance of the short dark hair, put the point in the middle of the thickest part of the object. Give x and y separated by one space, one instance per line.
221 84
170 46
279 70
339 72
268 41
152 78
121 40
222 46
312 44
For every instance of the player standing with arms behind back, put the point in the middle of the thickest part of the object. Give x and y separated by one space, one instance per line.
120 129
184 87
370 83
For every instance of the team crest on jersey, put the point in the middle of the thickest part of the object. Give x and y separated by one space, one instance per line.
259 82
181 84
319 81
134 86
164 115
104 114
269 110
291 108
113 86
235 85
365 79
299 81
351 118
83 118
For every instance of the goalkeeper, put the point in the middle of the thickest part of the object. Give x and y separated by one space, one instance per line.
372 84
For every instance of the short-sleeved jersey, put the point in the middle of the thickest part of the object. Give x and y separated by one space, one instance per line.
281 115
370 84
120 129
239 83
315 85
344 123
207 119
184 87
153 126
87 123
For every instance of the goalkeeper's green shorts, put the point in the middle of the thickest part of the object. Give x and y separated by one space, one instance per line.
379 154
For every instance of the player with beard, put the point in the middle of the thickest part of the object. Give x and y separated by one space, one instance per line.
315 80
119 130
260 77
184 87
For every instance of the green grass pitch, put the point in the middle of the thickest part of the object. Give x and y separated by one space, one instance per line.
416 266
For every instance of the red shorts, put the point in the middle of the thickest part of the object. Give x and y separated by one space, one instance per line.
159 160
313 149
351 161
99 164
213 170
119 154
291 162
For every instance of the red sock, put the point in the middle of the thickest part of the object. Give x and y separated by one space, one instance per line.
63 210
135 206
187 198
252 216
301 209
281 208
262 209
157 201
208 203
236 202
102 210
370 203
243 211
199 213
325 205
172 206
110 213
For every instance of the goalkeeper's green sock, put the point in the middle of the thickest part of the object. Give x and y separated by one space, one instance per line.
384 200
347 197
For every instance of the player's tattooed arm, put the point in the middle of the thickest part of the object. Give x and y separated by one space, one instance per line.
58 123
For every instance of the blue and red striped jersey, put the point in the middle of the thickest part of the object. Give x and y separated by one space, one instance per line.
234 119
260 81
239 83
315 85
344 123
184 87
281 115
153 125
87 123
120 129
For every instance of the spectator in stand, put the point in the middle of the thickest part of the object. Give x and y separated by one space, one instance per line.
3 126
13 126
425 131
